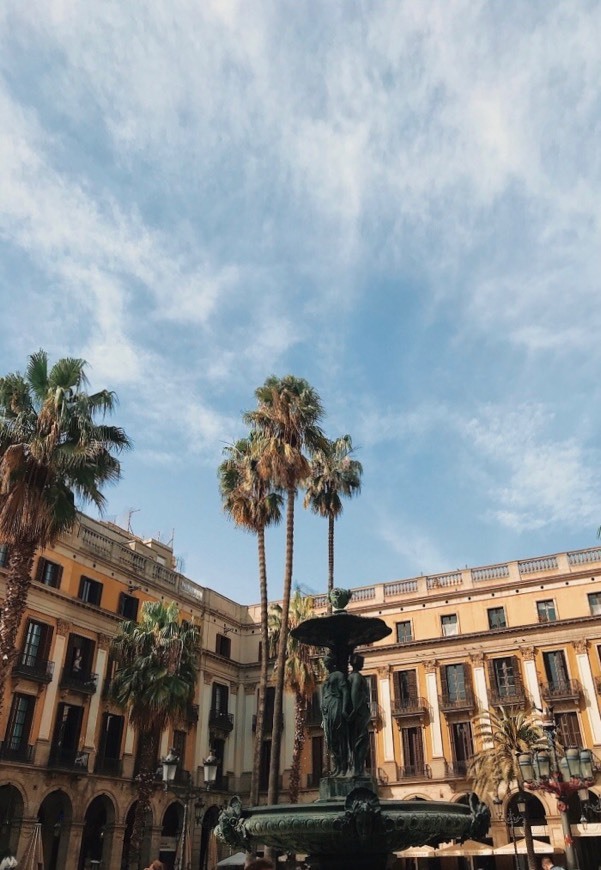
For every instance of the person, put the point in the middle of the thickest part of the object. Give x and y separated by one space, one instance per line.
334 710
259 864
359 715
156 865
547 864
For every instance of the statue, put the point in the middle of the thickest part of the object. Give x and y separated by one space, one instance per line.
335 703
359 715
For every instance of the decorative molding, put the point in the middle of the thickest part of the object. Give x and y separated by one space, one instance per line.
208 678
528 653
581 645
477 659
384 670
63 627
250 688
430 665
233 688
104 641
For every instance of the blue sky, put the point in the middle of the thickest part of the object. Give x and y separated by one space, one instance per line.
399 201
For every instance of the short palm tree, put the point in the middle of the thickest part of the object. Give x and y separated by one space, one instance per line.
253 504
303 672
495 767
334 475
52 453
156 669
286 422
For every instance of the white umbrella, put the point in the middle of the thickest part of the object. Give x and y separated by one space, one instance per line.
417 852
539 846
469 847
34 855
238 859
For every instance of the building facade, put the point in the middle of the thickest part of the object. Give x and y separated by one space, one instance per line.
519 635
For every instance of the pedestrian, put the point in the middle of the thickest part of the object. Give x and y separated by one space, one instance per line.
547 864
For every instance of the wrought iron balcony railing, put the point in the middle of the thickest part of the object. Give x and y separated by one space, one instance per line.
220 721
456 701
457 769
561 690
411 706
22 753
415 771
79 681
31 668
109 766
507 696
68 759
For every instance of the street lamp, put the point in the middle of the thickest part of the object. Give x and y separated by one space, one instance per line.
210 769
513 820
541 770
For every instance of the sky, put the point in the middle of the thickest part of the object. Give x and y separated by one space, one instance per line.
398 201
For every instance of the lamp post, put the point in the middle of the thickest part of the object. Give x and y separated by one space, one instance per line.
542 771
513 820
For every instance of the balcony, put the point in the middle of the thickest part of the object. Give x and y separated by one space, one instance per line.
508 696
68 759
375 711
409 708
456 702
457 769
21 754
415 771
108 766
220 721
562 690
39 670
83 682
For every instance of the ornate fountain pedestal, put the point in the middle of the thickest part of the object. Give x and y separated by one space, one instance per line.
348 827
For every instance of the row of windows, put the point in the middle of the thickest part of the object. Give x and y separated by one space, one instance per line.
50 574
546 611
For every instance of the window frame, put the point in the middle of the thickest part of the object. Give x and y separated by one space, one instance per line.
404 622
90 584
222 641
591 596
546 604
53 581
497 608
444 625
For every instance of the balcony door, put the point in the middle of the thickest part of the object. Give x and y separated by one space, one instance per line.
462 745
556 668
67 731
413 751
220 698
36 648
19 727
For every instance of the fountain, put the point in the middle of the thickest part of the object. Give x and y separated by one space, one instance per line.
348 826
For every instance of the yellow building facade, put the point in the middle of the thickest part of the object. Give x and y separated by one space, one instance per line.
521 634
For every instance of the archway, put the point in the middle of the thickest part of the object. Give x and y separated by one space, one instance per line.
127 852
97 834
173 820
55 814
11 815
208 844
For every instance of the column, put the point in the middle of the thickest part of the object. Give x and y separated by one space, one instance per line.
438 761
250 692
530 675
100 668
385 704
58 657
588 684
229 763
117 836
73 849
480 690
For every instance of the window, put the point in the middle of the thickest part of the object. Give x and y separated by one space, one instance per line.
19 726
462 745
128 606
90 591
49 573
316 760
269 707
496 617
67 731
220 698
108 759
403 631
179 744
223 646
406 685
36 648
455 682
3 555
594 602
546 610
263 765
505 678
413 751
568 729
372 685
79 656
556 668
449 625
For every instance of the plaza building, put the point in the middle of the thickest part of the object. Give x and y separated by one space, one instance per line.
520 635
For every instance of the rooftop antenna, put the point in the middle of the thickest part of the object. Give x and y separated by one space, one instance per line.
171 539
130 514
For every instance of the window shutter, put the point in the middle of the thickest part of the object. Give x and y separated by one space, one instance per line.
46 642
412 683
443 680
517 672
467 672
40 568
59 574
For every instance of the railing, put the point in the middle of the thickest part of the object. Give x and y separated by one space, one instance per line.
490 572
400 587
68 759
221 721
450 701
564 690
109 766
583 557
509 696
28 666
320 601
364 594
415 771
375 711
409 706
79 681
22 754
441 581
137 563
532 566
457 769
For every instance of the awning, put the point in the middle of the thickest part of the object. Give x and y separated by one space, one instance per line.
587 829
469 847
238 859
540 848
417 852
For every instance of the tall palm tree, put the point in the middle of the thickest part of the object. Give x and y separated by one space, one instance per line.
334 474
156 669
286 421
253 504
52 452
504 735
302 674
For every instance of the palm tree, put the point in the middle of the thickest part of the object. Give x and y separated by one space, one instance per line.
333 475
302 674
156 670
52 452
253 504
286 421
504 735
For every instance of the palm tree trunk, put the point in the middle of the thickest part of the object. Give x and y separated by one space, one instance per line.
276 740
330 559
146 782
300 716
18 582
530 854
260 727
